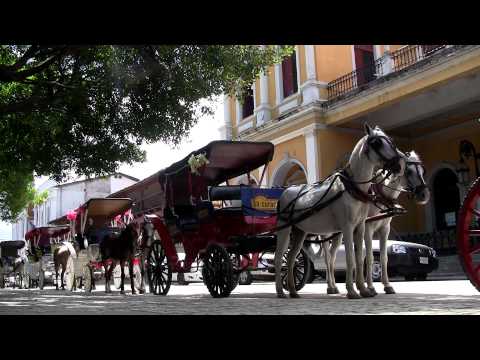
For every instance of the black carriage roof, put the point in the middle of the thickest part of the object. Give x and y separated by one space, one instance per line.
17 244
227 159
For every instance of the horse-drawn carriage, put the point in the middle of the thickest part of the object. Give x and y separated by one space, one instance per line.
12 262
219 225
468 234
41 243
89 224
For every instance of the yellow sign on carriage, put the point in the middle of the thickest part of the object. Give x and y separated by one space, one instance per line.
261 202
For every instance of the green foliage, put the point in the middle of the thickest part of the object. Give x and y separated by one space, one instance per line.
87 109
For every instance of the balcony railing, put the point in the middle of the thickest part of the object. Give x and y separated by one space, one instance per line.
412 54
354 80
390 62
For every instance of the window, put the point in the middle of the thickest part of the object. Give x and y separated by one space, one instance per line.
247 106
289 74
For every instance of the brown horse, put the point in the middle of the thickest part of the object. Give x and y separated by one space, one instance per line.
120 249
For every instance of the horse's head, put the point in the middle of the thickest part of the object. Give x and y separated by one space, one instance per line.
381 150
414 178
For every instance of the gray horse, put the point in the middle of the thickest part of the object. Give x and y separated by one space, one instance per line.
346 214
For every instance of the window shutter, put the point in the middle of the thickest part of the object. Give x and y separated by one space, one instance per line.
289 72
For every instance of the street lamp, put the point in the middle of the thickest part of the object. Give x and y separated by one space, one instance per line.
466 150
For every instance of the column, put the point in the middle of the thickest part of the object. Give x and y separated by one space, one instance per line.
310 90
278 84
313 173
227 118
238 111
263 112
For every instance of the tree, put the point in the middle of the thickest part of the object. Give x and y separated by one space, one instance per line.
87 109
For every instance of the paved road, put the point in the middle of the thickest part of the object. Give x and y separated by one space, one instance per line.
427 297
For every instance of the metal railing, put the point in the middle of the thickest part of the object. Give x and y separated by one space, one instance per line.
443 241
355 79
412 54
398 60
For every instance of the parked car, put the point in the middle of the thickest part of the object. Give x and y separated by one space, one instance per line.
410 260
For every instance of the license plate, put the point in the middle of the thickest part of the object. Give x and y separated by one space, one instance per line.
423 260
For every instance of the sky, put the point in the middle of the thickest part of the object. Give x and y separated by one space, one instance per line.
160 155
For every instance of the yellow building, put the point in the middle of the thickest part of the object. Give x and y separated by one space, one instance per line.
312 107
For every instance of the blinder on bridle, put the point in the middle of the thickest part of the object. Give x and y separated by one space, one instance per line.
415 189
375 143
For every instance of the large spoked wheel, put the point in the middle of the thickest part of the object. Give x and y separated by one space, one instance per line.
159 272
87 279
468 234
218 274
301 270
70 274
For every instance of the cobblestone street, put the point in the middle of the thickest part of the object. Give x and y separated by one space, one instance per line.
427 297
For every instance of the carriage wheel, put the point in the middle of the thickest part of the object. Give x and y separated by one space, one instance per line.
18 280
218 271
301 270
87 278
137 277
70 274
468 234
159 271
117 276
27 281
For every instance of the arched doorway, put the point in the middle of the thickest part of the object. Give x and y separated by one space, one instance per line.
446 199
290 173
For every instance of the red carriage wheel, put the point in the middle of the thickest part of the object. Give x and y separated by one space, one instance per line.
468 234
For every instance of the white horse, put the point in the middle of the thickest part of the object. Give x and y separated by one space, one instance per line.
327 207
413 182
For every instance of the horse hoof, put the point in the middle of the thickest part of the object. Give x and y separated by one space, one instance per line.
373 291
134 293
389 290
281 296
294 295
332 291
141 291
353 295
365 293
122 292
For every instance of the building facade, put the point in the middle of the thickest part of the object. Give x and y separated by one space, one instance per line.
312 107
65 197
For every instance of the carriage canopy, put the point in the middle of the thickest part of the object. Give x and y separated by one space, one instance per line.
227 159
45 233
12 244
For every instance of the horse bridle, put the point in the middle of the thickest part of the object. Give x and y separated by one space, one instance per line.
411 188
374 142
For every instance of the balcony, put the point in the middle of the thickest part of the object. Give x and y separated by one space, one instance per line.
398 61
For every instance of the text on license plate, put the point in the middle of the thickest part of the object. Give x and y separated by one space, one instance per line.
423 260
